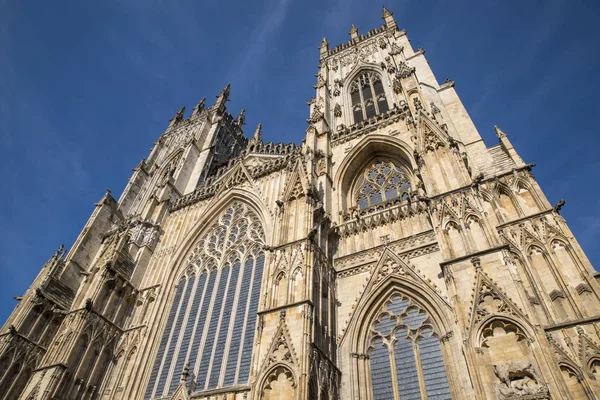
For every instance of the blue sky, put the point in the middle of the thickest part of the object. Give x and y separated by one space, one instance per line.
87 87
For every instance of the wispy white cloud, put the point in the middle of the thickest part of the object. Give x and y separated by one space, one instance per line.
263 34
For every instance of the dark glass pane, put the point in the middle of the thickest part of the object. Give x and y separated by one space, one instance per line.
212 327
165 338
385 325
375 198
398 305
187 336
201 321
370 108
251 321
355 97
366 92
357 113
434 371
176 332
414 318
363 202
378 86
406 370
381 372
382 104
391 193
238 324
224 328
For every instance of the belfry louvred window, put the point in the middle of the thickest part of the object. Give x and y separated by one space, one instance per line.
212 320
367 96
381 181
405 356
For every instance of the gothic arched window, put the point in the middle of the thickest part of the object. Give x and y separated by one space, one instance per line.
381 181
405 354
367 96
212 320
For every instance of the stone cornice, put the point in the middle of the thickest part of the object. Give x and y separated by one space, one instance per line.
572 324
494 249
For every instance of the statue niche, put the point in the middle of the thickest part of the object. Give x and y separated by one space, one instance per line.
510 372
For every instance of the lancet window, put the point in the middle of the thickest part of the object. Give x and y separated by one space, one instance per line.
405 355
212 320
367 96
381 181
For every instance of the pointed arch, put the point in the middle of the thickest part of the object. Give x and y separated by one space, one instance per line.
280 381
380 289
367 150
208 311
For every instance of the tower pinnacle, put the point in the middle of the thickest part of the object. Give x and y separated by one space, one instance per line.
353 32
241 118
324 47
388 18
222 98
257 137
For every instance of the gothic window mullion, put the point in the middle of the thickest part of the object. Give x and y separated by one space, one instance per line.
419 366
374 96
393 369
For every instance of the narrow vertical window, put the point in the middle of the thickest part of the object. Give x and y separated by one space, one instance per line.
165 338
367 96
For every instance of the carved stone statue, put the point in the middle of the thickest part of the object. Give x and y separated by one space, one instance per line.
518 379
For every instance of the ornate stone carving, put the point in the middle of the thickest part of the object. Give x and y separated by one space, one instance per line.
337 110
518 380
404 70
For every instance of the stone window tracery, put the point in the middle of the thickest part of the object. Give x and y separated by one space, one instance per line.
367 96
405 354
211 322
382 181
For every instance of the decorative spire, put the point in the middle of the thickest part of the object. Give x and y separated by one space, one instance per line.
499 132
324 47
241 118
178 117
199 107
257 137
224 95
222 98
354 32
388 18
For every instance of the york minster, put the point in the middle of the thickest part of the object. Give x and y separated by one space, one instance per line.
390 255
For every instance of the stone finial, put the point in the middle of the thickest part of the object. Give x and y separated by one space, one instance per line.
223 97
353 32
257 137
241 118
387 16
178 116
324 47
499 133
199 107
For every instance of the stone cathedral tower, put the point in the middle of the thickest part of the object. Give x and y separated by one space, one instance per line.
390 256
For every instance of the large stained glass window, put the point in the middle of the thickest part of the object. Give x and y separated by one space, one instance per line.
405 354
212 320
367 96
382 181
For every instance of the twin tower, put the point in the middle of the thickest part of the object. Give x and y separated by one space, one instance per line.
391 255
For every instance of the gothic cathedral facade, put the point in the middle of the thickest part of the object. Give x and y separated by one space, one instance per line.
391 255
